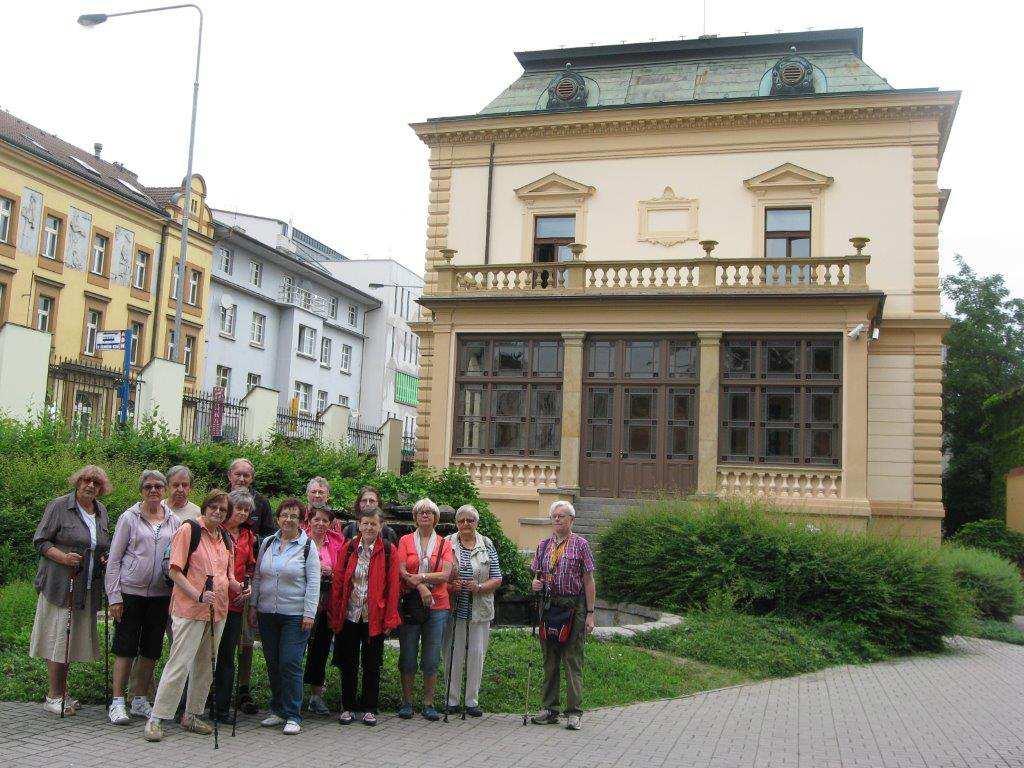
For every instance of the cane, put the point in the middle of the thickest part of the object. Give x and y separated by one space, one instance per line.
208 587
106 649
465 658
67 639
529 665
451 660
234 720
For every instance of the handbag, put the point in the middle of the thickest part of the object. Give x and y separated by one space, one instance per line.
557 623
411 607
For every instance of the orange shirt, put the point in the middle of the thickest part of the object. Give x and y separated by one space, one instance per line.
210 558
407 551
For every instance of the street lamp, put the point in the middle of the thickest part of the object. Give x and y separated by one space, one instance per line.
90 20
394 285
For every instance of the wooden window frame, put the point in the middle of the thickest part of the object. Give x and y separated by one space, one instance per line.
100 309
789 235
196 310
55 264
138 343
99 280
490 381
555 241
50 291
758 384
144 293
6 280
9 247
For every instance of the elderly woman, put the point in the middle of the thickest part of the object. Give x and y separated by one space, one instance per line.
72 542
563 568
367 499
286 592
424 565
138 594
179 483
477 575
329 544
200 565
363 608
244 548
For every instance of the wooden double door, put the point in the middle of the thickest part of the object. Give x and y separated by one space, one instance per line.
639 420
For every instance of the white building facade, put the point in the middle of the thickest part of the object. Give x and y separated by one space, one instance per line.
279 320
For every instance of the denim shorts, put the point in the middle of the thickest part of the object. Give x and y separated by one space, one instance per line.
431 633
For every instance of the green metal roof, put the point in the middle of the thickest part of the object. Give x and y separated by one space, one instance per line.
689 70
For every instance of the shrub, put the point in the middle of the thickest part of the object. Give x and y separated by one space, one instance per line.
37 458
994 536
992 583
676 555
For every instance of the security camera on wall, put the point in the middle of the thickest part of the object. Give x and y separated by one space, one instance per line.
856 331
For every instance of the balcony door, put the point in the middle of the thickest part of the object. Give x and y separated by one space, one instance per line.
640 401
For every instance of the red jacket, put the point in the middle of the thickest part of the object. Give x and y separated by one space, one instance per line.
381 592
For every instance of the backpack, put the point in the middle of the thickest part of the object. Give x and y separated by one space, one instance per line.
305 552
195 534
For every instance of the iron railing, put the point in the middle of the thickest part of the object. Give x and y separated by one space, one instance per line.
301 425
84 395
364 440
211 417
408 445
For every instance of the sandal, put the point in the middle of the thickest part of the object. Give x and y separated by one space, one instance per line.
345 718
369 719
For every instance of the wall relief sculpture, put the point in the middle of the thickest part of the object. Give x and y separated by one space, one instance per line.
77 251
31 219
124 249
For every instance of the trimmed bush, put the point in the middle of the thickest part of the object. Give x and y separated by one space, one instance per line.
994 536
992 582
678 554
37 458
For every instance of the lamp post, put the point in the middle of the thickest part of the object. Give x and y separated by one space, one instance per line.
94 19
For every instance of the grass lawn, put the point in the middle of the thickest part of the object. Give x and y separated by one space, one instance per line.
707 651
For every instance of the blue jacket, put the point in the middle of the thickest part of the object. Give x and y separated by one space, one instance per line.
283 583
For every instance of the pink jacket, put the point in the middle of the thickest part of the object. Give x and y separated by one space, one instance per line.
134 565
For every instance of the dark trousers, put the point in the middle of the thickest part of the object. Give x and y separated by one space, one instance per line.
568 657
224 680
319 650
352 645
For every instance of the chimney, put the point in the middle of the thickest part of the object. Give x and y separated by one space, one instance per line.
97 149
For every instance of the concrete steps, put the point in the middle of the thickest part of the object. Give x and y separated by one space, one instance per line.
594 514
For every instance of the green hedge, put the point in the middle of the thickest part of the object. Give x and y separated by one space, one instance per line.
677 555
994 536
992 583
37 458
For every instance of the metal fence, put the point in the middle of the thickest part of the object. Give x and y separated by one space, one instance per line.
364 440
211 417
408 445
85 395
303 426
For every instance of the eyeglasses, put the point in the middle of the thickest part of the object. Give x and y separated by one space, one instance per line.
152 487
466 520
286 516
90 481
560 517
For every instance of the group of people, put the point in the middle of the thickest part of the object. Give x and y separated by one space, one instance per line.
216 576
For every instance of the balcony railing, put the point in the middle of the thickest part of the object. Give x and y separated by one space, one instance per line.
705 275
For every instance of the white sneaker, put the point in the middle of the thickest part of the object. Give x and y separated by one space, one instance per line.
53 707
291 728
117 715
271 721
141 707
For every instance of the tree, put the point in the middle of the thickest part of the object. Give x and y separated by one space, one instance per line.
984 357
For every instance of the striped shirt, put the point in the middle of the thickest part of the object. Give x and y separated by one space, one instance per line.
577 560
462 604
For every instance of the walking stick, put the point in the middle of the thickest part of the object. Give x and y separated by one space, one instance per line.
451 663
208 587
465 658
235 698
67 640
106 650
529 664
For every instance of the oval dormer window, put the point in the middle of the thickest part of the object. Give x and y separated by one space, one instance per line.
792 73
565 89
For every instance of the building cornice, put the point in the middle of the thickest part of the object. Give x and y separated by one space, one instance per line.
754 112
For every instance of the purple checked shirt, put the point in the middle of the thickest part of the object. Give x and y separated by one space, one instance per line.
577 560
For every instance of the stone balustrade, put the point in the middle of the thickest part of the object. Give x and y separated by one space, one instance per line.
510 473
779 482
706 275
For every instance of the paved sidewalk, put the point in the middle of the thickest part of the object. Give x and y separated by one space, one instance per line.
961 710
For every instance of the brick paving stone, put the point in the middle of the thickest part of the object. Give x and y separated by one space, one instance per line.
963 709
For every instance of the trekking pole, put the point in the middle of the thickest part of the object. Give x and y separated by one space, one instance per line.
529 665
67 639
465 658
451 663
234 720
208 587
106 649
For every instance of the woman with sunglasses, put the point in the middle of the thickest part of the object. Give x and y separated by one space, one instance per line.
72 541
138 594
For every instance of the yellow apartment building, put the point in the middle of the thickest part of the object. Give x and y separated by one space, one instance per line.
700 266
85 246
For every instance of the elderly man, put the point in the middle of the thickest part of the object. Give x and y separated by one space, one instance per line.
563 569
261 521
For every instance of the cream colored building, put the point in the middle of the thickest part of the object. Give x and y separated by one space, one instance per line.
85 247
640 282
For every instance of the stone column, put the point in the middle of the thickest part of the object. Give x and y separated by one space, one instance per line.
336 420
441 386
855 414
707 420
260 421
160 393
572 410
389 457
24 367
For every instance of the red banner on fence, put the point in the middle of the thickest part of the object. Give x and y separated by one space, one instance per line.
217 412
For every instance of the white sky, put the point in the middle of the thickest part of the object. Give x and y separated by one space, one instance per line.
304 106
